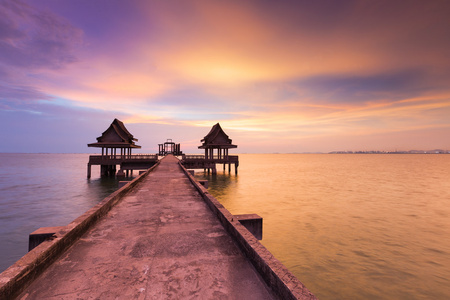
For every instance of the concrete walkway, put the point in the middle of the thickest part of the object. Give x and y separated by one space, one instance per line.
160 242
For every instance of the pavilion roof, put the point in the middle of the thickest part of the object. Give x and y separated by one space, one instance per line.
116 136
216 138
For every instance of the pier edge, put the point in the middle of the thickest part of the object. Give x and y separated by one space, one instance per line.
20 275
282 282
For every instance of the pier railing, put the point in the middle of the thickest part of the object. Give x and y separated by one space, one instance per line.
99 159
118 159
215 158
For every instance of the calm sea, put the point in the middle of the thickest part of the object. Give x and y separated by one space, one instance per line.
43 190
349 226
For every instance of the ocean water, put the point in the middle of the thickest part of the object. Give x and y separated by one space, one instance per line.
349 226
43 190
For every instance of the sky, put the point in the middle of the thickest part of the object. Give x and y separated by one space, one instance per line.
279 76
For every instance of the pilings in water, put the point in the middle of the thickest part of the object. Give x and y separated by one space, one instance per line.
110 171
210 164
213 169
107 170
109 165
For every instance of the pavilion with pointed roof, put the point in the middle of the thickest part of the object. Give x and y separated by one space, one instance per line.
216 139
113 138
216 144
116 137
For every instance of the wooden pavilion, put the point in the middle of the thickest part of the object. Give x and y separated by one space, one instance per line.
216 144
216 139
114 138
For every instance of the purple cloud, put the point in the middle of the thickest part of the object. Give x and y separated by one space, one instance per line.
34 39
21 93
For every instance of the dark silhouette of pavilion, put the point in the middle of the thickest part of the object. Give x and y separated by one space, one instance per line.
113 138
216 144
216 139
116 137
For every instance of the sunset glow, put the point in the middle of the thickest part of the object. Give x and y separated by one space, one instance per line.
289 76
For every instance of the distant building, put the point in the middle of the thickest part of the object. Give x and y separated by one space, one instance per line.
169 147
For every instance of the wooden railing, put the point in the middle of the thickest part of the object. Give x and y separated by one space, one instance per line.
120 158
229 158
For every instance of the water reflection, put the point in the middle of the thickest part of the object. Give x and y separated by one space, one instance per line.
350 226
102 187
220 184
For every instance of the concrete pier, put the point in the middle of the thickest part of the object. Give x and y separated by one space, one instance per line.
162 240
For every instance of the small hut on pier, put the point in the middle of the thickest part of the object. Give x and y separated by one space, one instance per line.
113 138
218 140
116 137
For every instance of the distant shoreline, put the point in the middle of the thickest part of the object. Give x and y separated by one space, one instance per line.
437 151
